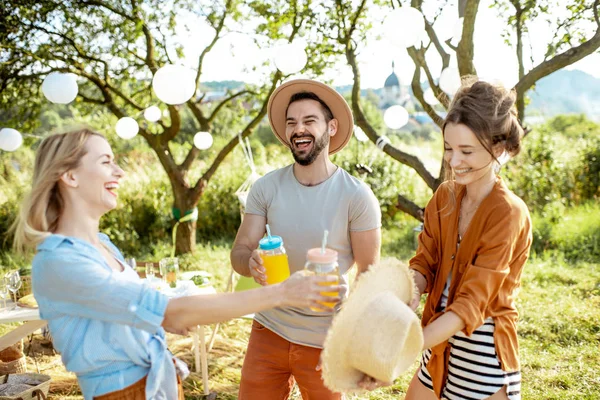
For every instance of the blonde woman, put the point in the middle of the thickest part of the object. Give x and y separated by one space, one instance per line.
108 325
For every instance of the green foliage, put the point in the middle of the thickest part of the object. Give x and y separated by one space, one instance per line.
537 175
387 179
573 232
143 216
588 172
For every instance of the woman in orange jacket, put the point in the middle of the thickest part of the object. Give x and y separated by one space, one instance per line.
475 242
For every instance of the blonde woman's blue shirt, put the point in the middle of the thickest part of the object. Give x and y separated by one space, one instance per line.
106 325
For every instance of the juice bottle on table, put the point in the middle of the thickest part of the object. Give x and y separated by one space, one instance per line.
323 262
274 258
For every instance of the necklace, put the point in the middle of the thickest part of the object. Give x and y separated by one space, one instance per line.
464 219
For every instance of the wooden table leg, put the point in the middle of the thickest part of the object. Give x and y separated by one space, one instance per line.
204 359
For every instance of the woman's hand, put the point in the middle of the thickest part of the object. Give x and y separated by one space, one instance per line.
369 383
300 290
257 269
421 284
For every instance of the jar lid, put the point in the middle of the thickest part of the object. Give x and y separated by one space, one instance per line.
327 257
270 243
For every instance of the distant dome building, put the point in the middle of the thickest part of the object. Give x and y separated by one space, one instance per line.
393 93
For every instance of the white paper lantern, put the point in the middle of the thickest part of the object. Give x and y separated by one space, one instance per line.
152 114
395 117
10 139
359 134
450 80
127 128
203 140
404 27
174 84
290 57
457 31
60 88
429 97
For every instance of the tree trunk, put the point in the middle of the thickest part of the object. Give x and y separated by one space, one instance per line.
185 241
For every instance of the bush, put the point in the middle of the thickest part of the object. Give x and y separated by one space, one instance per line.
538 175
576 234
588 172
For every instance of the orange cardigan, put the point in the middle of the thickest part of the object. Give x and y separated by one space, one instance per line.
486 268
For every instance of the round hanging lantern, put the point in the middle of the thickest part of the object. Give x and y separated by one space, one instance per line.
290 57
152 114
429 97
127 128
10 139
450 80
174 84
203 140
395 117
457 31
359 134
60 88
404 27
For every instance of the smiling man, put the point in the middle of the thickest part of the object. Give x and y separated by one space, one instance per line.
300 202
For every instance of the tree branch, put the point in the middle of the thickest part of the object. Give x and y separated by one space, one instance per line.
559 61
409 207
465 50
219 106
208 48
203 181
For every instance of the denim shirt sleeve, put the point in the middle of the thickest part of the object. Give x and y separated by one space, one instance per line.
68 282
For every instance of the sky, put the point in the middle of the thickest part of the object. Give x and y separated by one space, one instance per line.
233 57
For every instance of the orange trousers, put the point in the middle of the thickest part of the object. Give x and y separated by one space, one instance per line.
273 363
137 391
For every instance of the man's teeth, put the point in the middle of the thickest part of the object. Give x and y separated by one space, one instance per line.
302 141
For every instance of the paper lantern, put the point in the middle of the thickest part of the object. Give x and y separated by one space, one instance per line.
429 97
290 57
60 88
10 139
395 117
152 114
127 128
457 31
203 140
404 27
174 84
359 134
450 80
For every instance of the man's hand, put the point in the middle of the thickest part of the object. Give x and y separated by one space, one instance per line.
257 270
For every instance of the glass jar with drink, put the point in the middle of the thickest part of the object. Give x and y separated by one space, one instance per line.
274 257
169 270
323 262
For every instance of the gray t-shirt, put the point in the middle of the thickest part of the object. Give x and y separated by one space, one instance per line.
300 214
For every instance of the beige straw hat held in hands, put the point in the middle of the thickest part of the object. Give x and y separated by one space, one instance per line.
375 333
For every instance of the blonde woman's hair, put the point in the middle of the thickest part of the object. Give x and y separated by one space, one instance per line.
43 206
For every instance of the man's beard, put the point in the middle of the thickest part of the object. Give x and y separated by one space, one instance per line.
318 146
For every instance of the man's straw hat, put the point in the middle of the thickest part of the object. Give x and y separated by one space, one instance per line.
375 333
280 99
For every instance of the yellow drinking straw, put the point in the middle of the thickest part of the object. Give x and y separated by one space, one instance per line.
324 243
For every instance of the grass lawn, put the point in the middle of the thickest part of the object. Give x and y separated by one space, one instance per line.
559 333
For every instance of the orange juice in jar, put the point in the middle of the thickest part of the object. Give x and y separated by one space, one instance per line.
323 262
274 259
